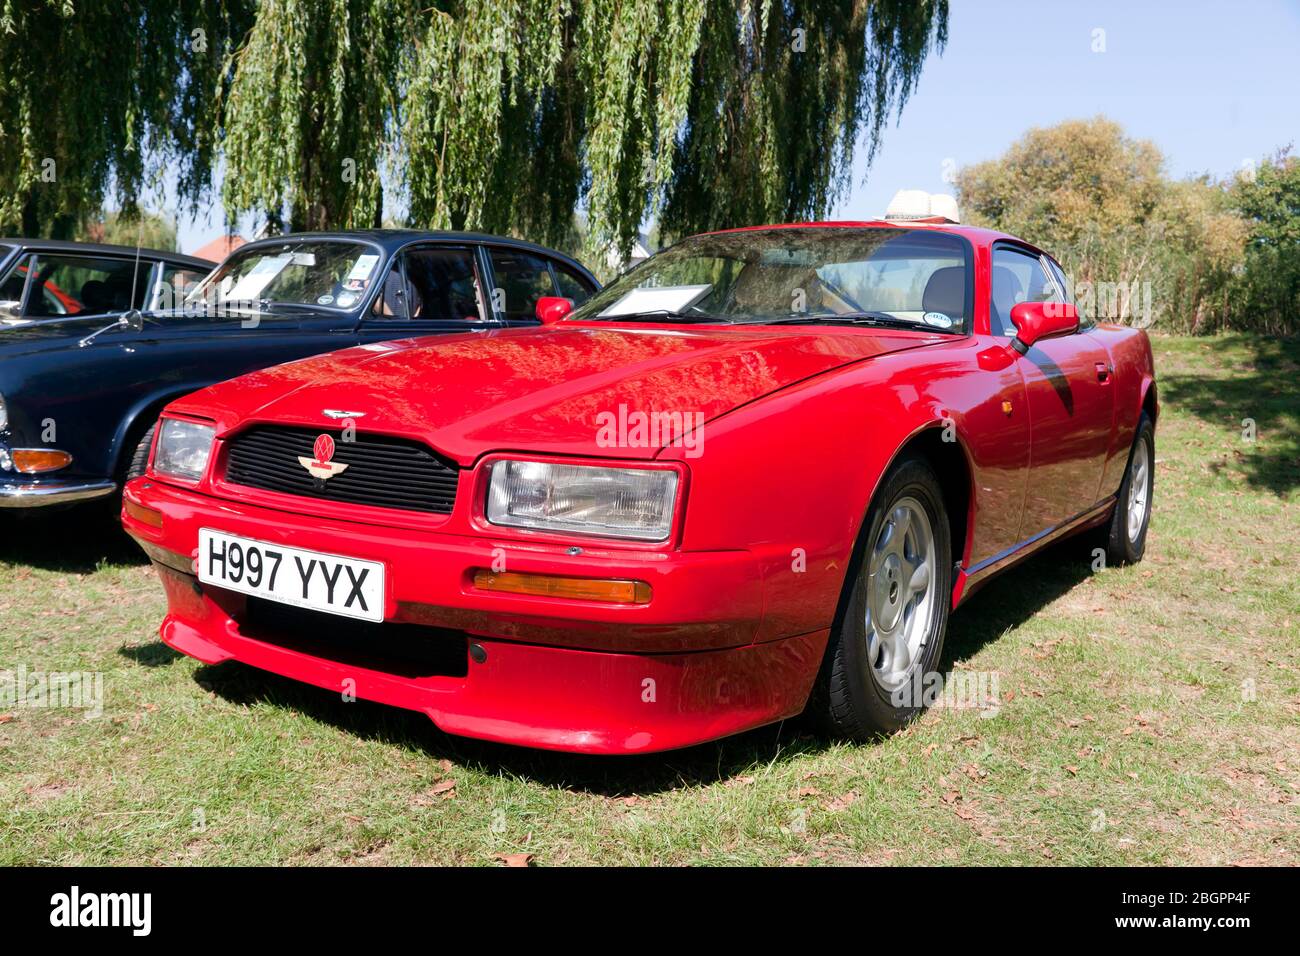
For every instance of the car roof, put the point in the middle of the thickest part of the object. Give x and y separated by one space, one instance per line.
976 234
100 248
391 240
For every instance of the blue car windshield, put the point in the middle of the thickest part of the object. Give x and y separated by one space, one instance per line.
315 273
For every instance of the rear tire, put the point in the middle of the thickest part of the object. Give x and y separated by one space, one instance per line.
891 632
1126 533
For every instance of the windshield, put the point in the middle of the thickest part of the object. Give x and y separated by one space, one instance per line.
332 275
893 276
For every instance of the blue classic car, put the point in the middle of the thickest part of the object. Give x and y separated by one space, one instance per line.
79 396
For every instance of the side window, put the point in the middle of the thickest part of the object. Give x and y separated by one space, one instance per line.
73 285
571 285
1067 294
441 284
522 279
1017 277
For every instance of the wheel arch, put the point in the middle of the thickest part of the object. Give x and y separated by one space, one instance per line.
942 446
1150 402
137 420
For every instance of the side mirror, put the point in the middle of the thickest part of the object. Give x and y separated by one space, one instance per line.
132 319
9 309
1041 320
552 308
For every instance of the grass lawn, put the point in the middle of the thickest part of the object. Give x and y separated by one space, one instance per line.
1148 714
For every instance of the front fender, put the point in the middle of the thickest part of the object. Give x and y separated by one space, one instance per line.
790 477
133 422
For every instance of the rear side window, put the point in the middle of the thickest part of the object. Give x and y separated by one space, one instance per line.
521 279
1016 277
77 285
176 283
11 288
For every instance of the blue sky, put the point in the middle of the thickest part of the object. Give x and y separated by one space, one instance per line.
1213 85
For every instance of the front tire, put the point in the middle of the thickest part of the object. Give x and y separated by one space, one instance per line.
140 456
891 632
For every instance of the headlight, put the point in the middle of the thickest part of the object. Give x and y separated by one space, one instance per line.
619 502
4 414
183 449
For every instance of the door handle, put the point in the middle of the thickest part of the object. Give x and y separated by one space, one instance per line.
1103 372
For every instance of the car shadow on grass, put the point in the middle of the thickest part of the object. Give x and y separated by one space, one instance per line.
73 540
1013 597
1003 604
606 776
1266 393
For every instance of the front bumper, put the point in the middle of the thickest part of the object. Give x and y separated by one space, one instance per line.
51 491
545 672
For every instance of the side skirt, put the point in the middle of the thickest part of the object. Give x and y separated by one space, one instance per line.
969 580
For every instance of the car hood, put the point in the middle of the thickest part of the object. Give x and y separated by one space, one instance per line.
537 389
42 335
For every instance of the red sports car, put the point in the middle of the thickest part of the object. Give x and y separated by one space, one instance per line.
752 476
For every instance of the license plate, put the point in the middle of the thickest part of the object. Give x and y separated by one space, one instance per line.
312 579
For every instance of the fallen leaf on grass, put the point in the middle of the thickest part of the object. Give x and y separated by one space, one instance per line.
513 859
840 803
446 789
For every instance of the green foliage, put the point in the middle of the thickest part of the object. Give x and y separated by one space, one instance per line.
98 95
1138 246
502 115
779 96
1269 286
118 229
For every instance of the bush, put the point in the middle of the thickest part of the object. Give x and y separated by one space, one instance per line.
1187 255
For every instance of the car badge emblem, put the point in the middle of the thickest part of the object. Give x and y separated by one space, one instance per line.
339 413
320 467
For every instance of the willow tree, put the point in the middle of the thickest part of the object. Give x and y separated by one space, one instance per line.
502 115
97 97
505 115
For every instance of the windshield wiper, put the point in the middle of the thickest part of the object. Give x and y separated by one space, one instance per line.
877 319
662 315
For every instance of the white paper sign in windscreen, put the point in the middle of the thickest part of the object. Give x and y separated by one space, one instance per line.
250 286
669 298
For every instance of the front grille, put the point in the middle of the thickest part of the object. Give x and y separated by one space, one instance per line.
406 650
382 471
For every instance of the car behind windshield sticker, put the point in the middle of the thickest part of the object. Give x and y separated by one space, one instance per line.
346 299
326 299
937 319
362 267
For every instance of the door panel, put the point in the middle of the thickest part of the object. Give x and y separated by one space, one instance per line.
1068 391
1070 410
